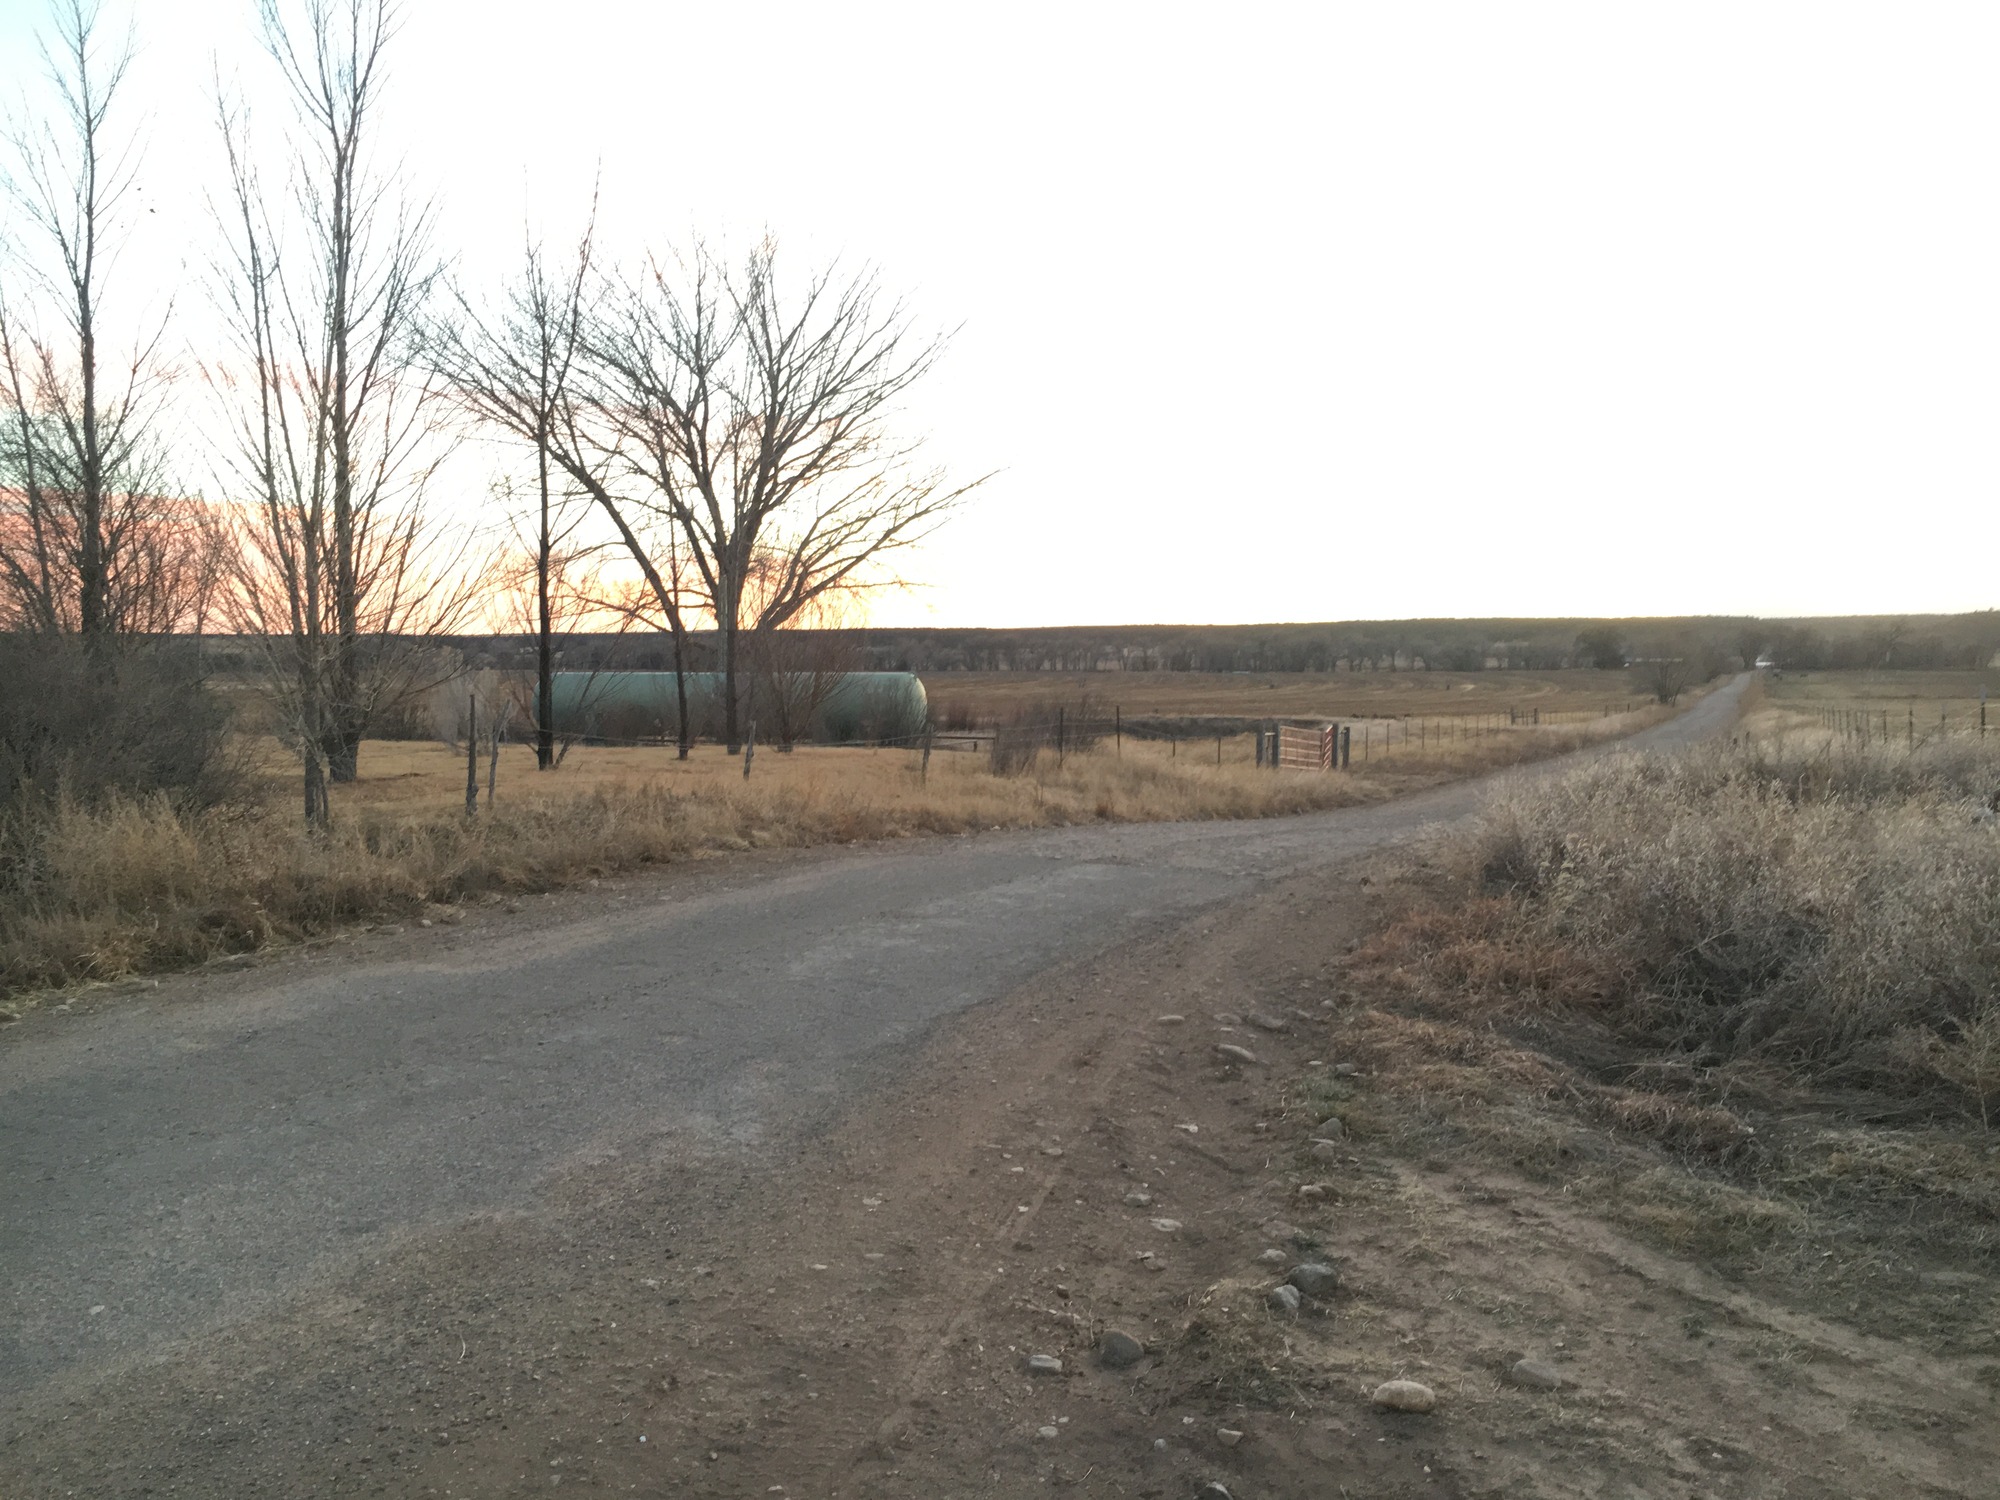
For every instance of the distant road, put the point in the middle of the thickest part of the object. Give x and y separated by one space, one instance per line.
177 1161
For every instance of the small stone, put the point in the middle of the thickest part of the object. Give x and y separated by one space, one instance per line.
1119 1351
424 922
1266 1023
1154 1263
1345 1070
1229 1437
1190 1129
1328 1151
1332 1128
1314 1278
1404 1395
1167 1226
1046 1432
1214 1491
1535 1375
1284 1298
1228 1018
1044 1364
1311 1190
1236 1054
1138 1200
1272 1257
1168 1020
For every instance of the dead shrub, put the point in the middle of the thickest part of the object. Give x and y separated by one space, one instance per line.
1824 909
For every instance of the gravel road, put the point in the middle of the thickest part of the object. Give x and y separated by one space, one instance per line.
176 1160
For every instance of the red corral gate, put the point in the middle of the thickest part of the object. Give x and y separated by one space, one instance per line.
1307 749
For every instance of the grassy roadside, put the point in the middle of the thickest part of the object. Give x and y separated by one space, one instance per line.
1744 1005
123 887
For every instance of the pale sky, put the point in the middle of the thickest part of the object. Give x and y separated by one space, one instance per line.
1289 312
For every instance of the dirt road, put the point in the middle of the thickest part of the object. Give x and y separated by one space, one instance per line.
349 1220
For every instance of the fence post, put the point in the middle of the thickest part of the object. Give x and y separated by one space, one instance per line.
749 748
472 755
1260 749
1347 748
1062 727
1118 730
924 771
1218 749
1913 726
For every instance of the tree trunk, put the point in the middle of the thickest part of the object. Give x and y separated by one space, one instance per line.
545 678
684 732
725 633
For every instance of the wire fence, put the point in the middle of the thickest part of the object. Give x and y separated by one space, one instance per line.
1230 736
1909 727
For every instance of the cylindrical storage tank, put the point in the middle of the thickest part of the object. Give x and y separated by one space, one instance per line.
846 707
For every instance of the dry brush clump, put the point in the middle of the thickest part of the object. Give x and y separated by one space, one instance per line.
1816 909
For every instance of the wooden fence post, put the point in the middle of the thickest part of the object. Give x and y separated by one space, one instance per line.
1118 730
749 748
924 771
472 755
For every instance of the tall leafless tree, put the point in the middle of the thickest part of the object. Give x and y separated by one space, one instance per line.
760 425
335 423
517 368
511 370
92 539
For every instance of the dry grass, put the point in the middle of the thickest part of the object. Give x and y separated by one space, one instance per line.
1898 705
1745 1002
127 886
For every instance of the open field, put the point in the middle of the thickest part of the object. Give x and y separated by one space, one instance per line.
1903 704
1581 692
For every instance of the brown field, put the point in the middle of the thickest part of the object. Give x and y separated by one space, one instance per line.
1907 706
1333 695
1955 692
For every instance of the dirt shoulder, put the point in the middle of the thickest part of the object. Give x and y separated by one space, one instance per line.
855 1318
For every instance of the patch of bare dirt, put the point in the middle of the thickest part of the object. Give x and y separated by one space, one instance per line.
855 1317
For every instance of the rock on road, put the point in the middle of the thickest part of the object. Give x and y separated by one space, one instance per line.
175 1162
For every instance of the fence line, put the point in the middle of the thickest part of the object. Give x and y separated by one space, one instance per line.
1421 730
1883 725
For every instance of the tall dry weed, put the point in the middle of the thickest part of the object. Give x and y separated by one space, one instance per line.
1825 907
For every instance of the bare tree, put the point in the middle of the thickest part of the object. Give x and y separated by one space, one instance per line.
517 369
512 371
759 423
92 539
335 423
